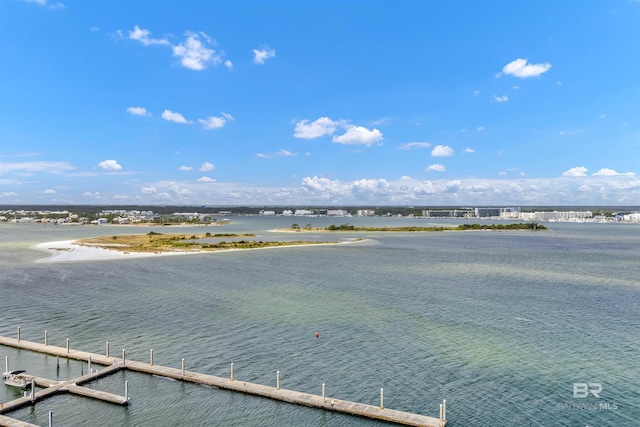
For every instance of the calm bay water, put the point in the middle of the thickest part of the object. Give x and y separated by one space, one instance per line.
501 324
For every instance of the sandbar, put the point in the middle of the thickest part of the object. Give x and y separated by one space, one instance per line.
70 251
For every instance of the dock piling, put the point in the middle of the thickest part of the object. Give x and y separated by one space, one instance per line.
124 361
231 377
183 367
126 391
46 338
151 357
6 364
33 390
382 398
324 400
89 364
278 380
106 349
444 410
18 333
50 418
440 412
67 345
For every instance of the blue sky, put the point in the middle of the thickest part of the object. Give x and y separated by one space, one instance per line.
320 103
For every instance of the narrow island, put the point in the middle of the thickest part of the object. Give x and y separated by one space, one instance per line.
533 226
160 242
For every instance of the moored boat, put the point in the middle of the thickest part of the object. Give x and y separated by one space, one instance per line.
18 379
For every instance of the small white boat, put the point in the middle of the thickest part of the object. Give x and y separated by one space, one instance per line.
17 379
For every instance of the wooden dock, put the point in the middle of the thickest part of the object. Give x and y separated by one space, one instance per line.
115 364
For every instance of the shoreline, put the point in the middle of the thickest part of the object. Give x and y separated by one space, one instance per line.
70 251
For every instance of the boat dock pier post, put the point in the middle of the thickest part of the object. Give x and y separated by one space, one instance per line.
112 365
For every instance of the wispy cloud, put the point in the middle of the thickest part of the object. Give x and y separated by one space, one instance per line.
46 3
261 55
280 153
144 37
214 122
205 179
436 167
523 69
36 166
503 98
414 145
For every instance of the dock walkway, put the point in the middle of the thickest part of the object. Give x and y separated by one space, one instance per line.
115 364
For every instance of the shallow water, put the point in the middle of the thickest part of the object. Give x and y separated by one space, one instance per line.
501 324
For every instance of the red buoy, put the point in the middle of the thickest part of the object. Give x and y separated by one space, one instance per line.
317 335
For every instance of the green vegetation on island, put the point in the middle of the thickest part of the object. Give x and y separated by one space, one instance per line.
534 226
159 242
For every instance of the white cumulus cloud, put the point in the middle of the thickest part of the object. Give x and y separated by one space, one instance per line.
138 111
170 116
185 168
469 150
205 179
436 167
358 135
261 55
49 191
194 53
611 172
214 122
577 171
311 130
503 98
442 151
206 166
111 165
523 69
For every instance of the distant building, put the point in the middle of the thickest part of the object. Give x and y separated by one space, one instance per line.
365 212
511 212
448 213
563 215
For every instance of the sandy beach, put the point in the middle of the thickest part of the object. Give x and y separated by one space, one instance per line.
69 251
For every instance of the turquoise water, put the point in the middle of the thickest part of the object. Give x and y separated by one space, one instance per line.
501 324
